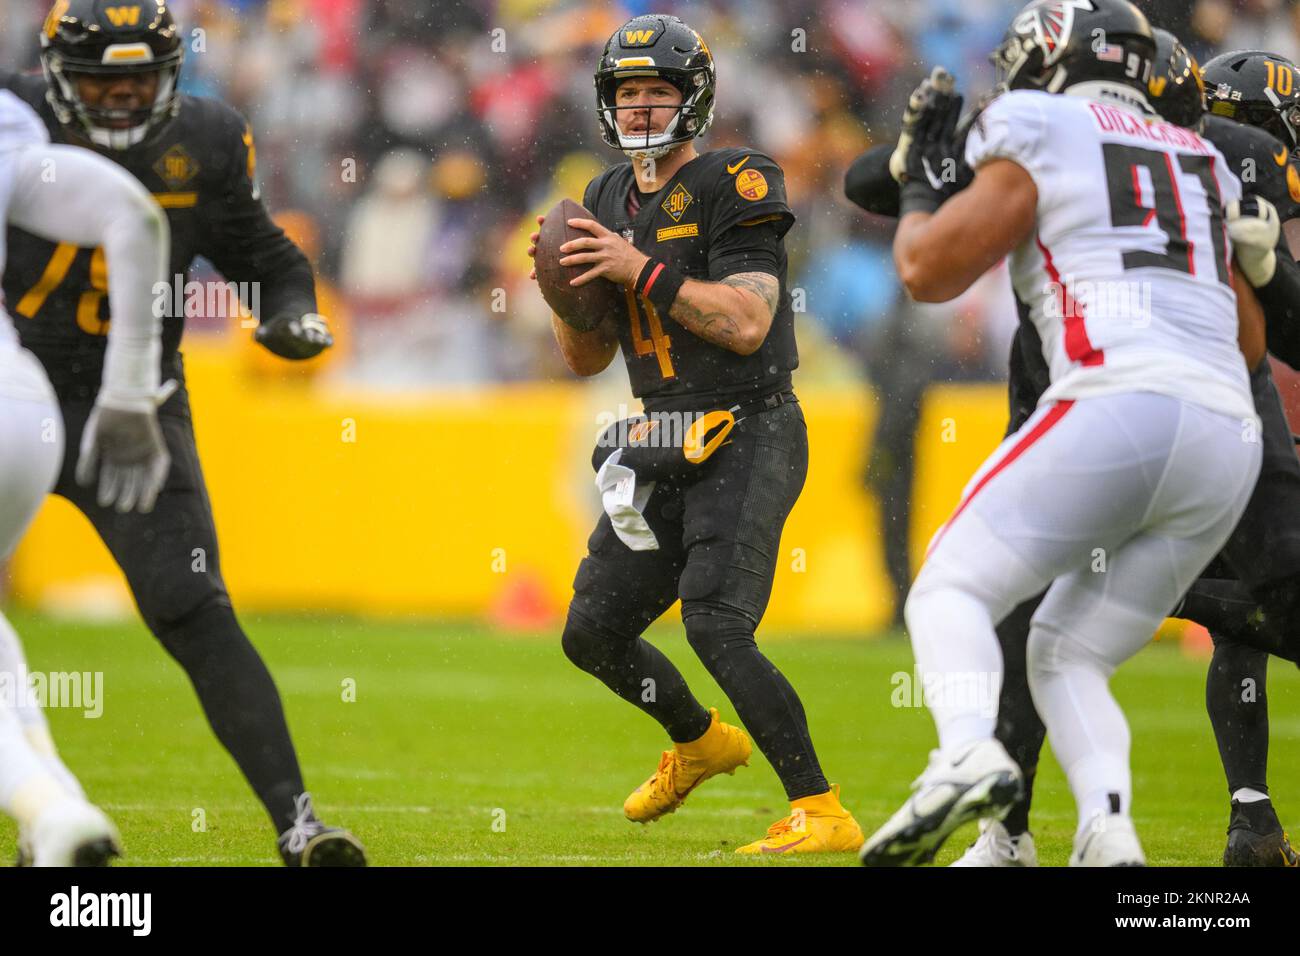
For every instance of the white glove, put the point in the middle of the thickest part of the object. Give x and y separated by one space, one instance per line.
1254 228
122 441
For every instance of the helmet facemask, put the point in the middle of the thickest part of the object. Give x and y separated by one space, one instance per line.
1017 64
1282 122
97 123
693 115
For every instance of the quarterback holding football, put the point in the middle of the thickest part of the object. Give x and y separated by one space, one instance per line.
695 240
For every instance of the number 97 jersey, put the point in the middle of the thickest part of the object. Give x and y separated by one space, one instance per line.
1128 275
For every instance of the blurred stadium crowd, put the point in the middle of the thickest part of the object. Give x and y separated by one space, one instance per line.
407 144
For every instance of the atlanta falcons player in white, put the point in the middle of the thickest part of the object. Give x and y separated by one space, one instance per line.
1143 451
67 194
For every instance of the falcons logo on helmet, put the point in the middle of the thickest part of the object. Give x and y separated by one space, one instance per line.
1050 23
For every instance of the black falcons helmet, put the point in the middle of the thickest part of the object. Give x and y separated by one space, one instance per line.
1176 88
1053 44
111 37
1258 89
663 47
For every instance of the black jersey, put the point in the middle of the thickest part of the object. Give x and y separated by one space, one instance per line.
200 169
1260 161
724 212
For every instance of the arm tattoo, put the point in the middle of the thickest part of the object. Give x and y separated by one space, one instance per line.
718 327
763 285
713 327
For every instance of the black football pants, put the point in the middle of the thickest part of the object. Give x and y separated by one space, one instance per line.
170 560
719 541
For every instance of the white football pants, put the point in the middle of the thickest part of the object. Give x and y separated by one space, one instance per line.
1118 503
31 452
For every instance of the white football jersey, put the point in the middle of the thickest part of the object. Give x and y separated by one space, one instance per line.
21 375
1128 274
19 127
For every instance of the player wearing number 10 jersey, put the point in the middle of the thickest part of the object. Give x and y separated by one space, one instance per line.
696 240
110 85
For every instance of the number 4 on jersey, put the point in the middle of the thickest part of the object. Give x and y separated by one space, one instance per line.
658 342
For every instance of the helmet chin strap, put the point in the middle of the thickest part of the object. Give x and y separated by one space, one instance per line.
116 138
651 147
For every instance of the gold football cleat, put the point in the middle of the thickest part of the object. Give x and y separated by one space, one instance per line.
721 749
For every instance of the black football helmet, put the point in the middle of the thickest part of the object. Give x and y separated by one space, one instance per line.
664 47
1176 89
1054 44
1258 89
106 37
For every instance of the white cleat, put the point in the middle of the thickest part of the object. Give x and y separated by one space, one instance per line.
997 847
980 780
1107 840
73 833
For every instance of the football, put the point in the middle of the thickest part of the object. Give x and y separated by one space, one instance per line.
584 306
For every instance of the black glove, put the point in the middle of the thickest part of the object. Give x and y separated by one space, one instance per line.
929 160
295 336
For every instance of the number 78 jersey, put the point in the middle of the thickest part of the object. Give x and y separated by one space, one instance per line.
1128 276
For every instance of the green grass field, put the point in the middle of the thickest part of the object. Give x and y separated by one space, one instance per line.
452 724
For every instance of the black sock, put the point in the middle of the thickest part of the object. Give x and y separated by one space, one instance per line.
1235 697
241 703
1020 730
766 703
638 672
1017 821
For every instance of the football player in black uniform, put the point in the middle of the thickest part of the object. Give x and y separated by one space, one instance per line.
110 85
1262 551
708 337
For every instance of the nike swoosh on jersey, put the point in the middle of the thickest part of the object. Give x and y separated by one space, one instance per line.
734 169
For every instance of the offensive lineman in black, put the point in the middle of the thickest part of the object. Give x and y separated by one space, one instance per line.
110 85
1260 564
696 239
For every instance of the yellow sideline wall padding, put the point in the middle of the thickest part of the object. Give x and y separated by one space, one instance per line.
465 503
960 426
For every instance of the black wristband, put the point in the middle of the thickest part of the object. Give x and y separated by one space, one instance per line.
918 197
659 283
